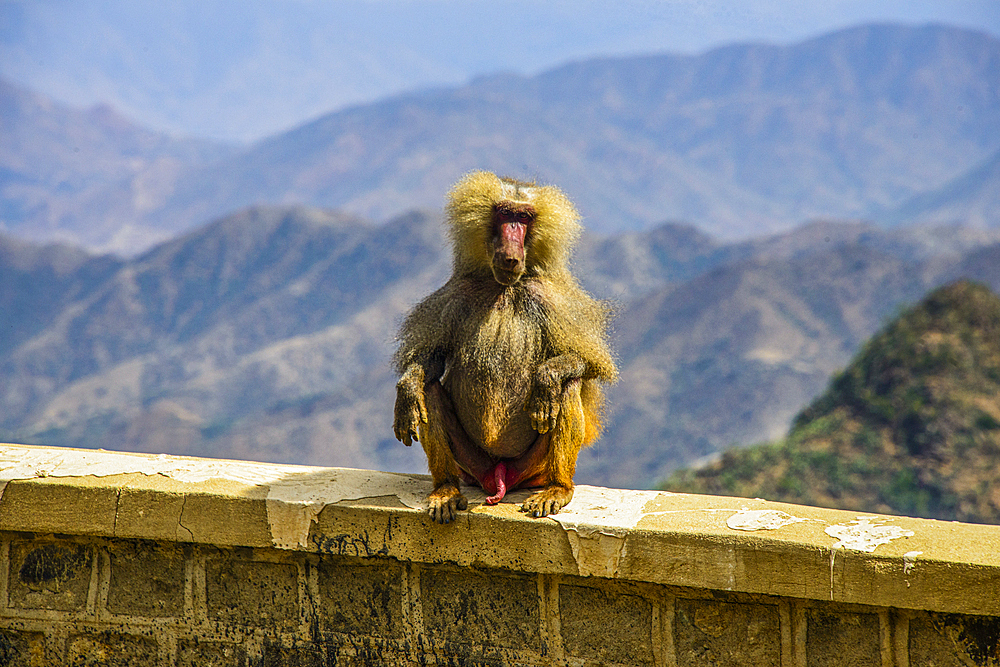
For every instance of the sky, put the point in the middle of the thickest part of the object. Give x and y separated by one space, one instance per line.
241 70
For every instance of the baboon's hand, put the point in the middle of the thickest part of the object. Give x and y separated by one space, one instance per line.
545 400
410 411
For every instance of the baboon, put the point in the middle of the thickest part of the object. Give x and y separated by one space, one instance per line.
501 366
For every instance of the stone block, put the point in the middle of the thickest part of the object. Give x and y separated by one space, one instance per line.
362 651
252 592
21 649
361 598
276 655
53 575
147 579
111 650
488 609
947 640
842 639
606 626
194 653
710 632
85 506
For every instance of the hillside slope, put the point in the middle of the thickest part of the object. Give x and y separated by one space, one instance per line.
912 426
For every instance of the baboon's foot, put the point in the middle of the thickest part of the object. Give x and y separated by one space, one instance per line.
547 501
444 503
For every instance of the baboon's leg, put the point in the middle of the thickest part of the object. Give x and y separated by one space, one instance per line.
446 499
555 465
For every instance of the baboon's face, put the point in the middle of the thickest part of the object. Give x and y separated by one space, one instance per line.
512 222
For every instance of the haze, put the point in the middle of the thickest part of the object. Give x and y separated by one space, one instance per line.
238 71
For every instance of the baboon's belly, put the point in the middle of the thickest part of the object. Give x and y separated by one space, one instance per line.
490 375
493 410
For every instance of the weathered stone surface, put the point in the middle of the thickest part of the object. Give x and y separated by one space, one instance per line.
606 626
111 650
49 505
147 579
50 575
946 640
20 649
194 653
837 638
710 632
252 593
360 598
492 609
276 655
371 531
165 561
366 651
672 539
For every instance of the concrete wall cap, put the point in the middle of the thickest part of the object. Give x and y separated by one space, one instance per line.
734 544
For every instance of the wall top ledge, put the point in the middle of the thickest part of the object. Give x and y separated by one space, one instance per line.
716 543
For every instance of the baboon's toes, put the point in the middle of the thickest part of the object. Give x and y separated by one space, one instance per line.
547 501
444 507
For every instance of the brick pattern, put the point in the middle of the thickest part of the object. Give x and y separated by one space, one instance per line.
67 601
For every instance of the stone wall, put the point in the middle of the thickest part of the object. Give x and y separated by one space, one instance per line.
115 559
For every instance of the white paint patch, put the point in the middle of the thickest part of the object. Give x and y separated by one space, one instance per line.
761 520
295 500
604 508
864 535
596 521
295 496
28 463
910 560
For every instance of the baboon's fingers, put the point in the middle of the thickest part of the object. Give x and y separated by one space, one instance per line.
405 434
540 421
408 414
544 415
544 409
553 414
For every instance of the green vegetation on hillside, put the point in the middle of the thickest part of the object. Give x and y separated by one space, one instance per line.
912 426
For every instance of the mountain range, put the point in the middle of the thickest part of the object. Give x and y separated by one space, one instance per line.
267 334
883 122
58 163
251 310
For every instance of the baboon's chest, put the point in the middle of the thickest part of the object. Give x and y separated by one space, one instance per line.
490 378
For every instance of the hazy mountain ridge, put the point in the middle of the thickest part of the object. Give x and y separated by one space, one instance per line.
740 141
267 335
912 426
972 198
56 160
